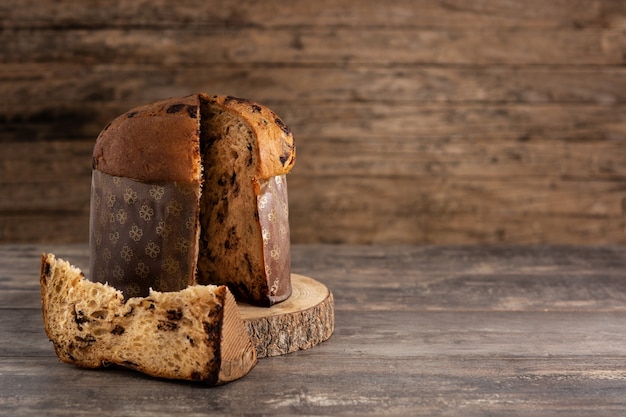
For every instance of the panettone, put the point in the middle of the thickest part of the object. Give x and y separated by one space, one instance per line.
193 190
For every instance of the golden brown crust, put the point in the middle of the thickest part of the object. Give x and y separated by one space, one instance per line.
277 152
161 141
156 142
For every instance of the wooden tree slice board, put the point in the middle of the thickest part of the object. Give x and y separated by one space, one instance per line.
302 321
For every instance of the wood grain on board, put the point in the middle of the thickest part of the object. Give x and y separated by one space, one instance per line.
419 330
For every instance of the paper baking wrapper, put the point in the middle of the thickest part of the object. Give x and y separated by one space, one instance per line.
142 235
273 211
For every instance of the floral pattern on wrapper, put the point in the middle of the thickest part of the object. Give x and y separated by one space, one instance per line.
141 234
274 219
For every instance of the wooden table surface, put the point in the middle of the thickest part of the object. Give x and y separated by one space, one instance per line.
419 330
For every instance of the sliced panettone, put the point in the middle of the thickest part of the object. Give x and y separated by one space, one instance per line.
192 334
193 190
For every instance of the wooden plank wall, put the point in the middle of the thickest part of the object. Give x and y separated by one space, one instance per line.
417 121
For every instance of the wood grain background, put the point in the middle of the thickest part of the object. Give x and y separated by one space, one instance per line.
416 121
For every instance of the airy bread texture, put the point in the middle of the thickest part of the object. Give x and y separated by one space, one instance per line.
244 228
193 190
193 334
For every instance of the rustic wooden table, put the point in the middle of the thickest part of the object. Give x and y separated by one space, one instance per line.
419 331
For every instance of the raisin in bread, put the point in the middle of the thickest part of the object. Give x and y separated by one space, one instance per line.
193 190
193 334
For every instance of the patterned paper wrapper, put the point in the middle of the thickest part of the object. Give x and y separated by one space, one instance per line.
273 211
142 234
